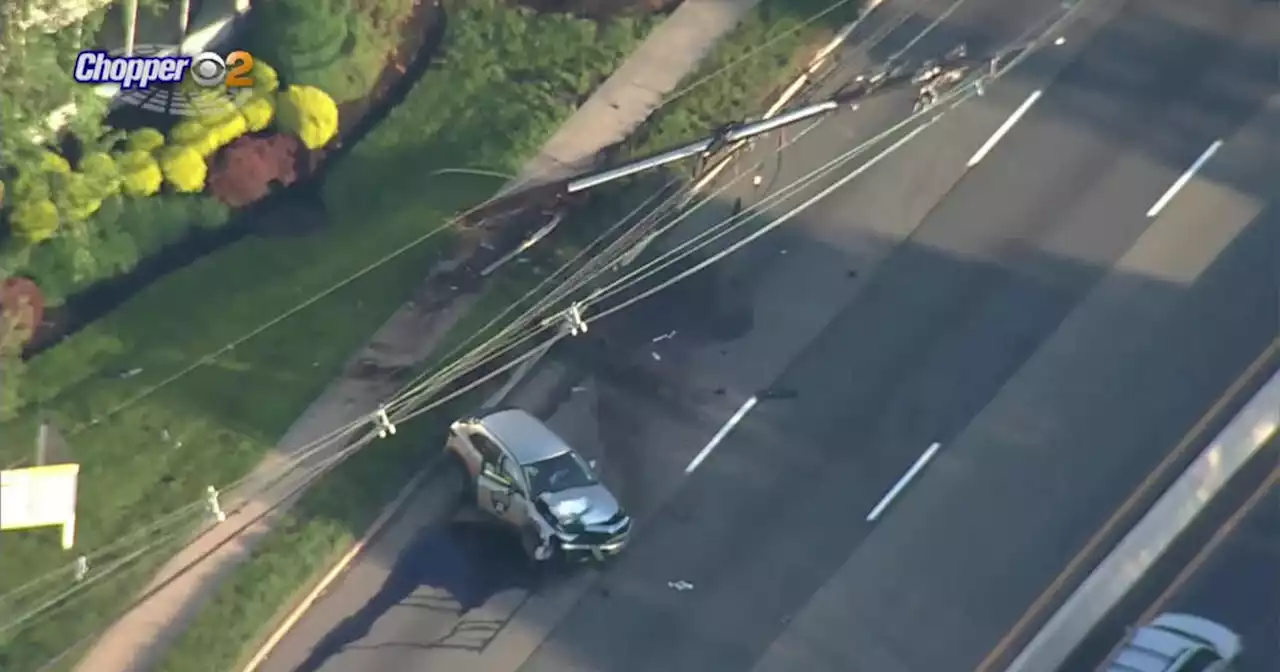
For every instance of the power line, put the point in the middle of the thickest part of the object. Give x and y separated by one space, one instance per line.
407 403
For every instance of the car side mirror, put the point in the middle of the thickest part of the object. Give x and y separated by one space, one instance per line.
592 464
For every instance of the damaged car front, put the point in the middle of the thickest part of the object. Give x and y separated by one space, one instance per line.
577 516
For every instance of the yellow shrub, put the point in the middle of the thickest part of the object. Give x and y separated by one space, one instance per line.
35 221
145 140
265 78
183 168
186 131
102 172
76 196
140 173
31 186
230 128
212 106
54 164
308 113
258 112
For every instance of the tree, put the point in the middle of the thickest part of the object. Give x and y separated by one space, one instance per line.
38 45
21 311
300 36
245 171
308 113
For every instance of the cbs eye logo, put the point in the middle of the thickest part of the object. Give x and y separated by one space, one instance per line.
211 70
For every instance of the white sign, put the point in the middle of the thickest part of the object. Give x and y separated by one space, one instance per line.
38 497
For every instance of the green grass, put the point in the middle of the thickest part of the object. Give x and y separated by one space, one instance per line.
744 72
223 417
229 413
335 513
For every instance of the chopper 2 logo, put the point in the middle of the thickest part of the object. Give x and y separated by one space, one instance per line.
142 76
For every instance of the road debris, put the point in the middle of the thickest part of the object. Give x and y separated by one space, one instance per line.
679 586
663 337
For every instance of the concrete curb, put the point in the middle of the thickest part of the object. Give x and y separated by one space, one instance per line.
388 512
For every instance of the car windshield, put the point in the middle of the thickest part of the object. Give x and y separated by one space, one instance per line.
562 472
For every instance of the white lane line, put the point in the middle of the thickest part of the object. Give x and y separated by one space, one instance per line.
1004 128
724 431
1186 177
903 482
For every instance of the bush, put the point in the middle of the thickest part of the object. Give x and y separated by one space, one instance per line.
123 232
34 181
212 106
144 140
186 132
229 128
218 134
102 172
54 164
265 78
308 113
34 221
140 174
76 196
259 112
31 186
246 170
183 168
338 46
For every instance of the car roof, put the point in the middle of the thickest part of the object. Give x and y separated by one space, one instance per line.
1158 646
523 435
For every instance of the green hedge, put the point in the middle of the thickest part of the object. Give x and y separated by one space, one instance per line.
339 46
223 417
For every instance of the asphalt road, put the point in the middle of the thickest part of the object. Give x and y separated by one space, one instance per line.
769 529
925 303
1223 568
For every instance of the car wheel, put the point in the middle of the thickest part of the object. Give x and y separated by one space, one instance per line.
536 548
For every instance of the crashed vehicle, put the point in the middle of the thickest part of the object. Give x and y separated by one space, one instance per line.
525 476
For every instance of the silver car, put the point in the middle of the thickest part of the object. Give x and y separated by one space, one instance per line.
1177 643
523 474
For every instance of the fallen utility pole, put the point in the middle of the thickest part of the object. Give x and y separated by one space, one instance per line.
557 194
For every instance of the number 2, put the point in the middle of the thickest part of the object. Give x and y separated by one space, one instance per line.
239 64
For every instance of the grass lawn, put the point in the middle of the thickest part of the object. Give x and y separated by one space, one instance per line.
214 424
335 512
229 413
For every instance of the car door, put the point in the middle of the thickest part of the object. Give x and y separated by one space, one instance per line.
504 487
462 442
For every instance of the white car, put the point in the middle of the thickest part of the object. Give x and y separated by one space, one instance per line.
1177 643
526 477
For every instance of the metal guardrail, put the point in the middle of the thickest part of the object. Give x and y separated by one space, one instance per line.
1251 429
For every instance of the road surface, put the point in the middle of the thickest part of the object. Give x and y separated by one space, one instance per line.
1025 312
1223 568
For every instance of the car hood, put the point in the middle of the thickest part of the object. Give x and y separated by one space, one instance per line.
596 503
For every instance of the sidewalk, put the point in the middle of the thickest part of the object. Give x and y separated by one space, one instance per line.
136 641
